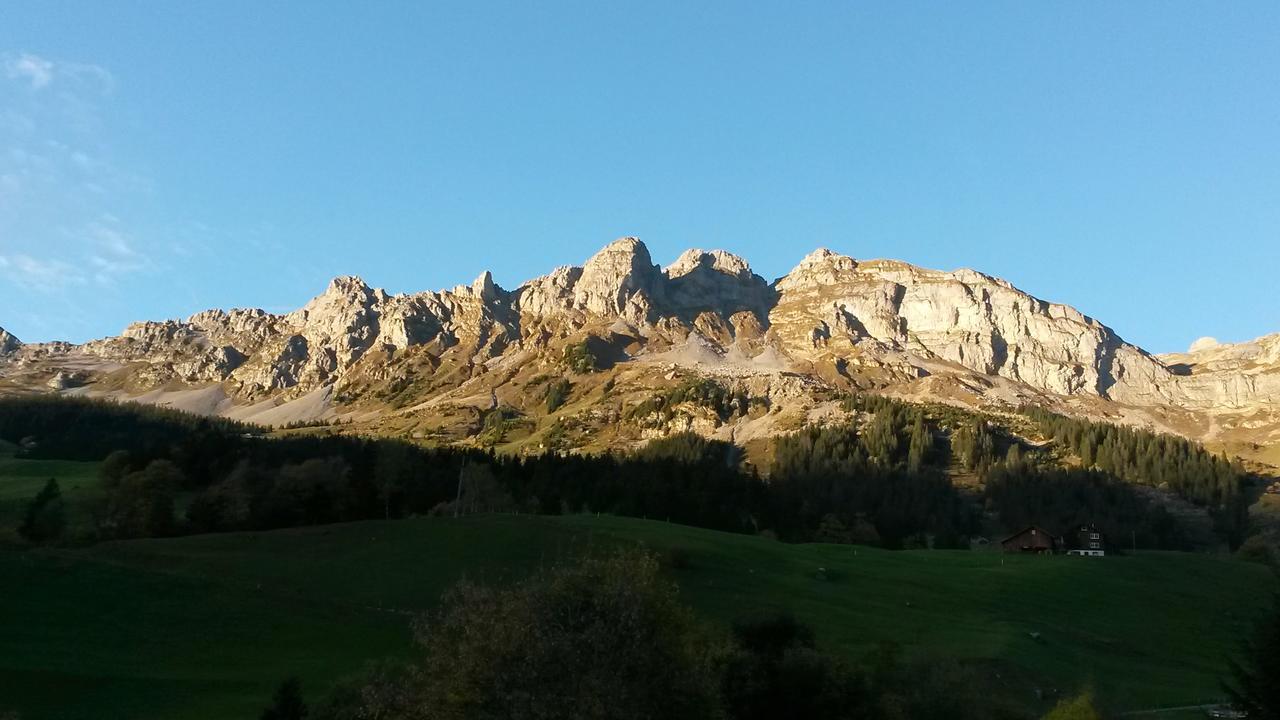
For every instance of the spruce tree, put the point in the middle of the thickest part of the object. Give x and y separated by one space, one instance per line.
919 445
46 516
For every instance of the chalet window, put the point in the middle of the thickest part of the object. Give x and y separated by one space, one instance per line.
1095 536
1094 545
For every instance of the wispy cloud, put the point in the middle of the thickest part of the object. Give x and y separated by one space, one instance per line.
43 276
38 72
30 68
113 254
75 218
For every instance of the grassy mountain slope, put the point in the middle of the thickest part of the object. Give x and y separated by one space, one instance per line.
204 626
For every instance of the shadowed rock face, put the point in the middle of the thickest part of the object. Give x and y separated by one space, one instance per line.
716 282
879 318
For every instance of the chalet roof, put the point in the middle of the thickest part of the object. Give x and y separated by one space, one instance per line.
1026 530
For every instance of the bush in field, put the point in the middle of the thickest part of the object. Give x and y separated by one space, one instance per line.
606 638
775 671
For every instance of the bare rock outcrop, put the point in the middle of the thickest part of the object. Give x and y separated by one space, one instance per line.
8 343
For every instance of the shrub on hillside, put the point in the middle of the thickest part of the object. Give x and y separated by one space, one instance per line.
580 359
557 394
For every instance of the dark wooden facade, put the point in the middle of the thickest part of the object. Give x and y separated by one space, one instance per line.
1032 539
1089 540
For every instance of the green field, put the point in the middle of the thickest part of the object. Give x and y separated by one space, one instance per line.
205 626
21 479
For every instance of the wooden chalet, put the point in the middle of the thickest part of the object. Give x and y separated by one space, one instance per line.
1031 539
1088 541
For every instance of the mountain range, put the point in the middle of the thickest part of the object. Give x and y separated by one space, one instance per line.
616 340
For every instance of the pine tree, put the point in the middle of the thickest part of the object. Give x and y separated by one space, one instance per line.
919 445
46 516
1086 451
985 447
881 437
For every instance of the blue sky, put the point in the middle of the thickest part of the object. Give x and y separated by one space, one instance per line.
160 158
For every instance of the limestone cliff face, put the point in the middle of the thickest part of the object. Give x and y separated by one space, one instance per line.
834 304
832 319
1239 376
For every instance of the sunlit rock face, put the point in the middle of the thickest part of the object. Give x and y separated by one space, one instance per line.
834 303
1239 376
831 319
619 281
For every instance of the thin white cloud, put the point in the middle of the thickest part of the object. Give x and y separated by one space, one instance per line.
89 74
113 254
77 220
30 68
38 72
45 276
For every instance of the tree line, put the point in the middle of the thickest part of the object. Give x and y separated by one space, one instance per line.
1159 460
883 479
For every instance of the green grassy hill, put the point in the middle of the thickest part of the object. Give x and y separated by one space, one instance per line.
205 626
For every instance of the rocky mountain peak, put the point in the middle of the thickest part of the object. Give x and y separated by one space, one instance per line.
345 294
717 260
8 343
715 281
822 266
618 281
483 288
624 262
876 323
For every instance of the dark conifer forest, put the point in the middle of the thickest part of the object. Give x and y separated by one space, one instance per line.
884 479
